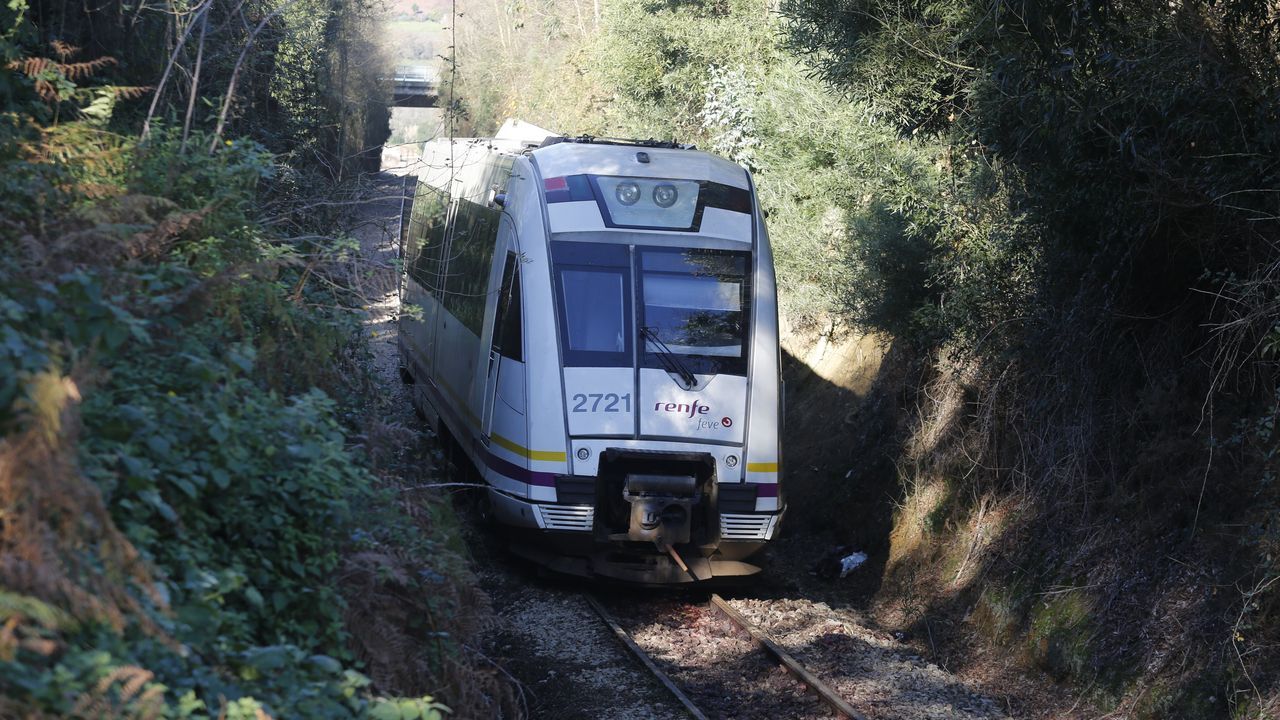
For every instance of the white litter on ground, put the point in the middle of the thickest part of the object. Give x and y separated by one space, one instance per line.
849 563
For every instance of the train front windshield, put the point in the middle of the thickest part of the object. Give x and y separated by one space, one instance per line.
692 303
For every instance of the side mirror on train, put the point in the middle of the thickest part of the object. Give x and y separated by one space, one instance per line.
500 199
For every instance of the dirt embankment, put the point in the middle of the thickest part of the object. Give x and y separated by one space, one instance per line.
1056 608
850 424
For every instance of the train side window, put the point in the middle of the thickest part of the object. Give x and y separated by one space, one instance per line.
593 295
467 271
595 309
508 332
410 242
431 213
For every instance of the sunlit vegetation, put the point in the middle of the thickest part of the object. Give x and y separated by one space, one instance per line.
1066 215
195 511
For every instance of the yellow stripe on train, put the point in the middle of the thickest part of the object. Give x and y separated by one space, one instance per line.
522 451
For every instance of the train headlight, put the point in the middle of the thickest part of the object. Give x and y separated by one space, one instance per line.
583 453
731 461
628 193
664 195
641 202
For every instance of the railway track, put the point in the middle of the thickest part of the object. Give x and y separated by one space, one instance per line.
708 698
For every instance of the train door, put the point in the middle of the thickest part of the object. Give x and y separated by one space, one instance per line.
505 334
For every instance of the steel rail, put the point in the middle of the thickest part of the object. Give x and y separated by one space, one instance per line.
644 658
766 643
761 640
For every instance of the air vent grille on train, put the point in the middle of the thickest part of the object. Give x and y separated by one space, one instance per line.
746 527
566 517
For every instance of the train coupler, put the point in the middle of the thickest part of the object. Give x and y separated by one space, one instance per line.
661 508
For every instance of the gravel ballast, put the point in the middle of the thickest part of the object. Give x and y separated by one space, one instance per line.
875 673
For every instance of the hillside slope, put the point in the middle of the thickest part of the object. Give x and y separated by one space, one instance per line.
201 506
1061 221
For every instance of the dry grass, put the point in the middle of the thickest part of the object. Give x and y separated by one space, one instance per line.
1041 523
414 635
385 604
1021 525
414 620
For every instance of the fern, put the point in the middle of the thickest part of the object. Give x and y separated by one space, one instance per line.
126 691
14 606
55 80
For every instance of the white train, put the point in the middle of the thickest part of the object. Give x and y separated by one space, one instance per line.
595 324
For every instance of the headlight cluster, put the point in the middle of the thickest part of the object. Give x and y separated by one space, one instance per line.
664 194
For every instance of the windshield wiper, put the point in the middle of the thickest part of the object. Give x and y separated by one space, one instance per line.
669 359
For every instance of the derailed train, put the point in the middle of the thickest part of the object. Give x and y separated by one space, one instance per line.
595 323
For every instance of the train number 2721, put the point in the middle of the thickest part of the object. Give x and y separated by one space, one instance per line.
611 401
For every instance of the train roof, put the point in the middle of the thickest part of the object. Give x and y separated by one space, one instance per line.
560 156
628 160
581 179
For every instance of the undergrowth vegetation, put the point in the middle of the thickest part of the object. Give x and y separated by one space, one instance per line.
1066 216
196 500
1099 302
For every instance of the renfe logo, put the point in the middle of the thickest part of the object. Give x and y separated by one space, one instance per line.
693 409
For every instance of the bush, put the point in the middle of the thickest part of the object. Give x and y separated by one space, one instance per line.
214 485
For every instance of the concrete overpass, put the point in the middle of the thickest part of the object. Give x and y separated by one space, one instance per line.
416 86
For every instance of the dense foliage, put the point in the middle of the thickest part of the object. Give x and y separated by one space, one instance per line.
1136 141
1105 274
1066 213
181 367
716 74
